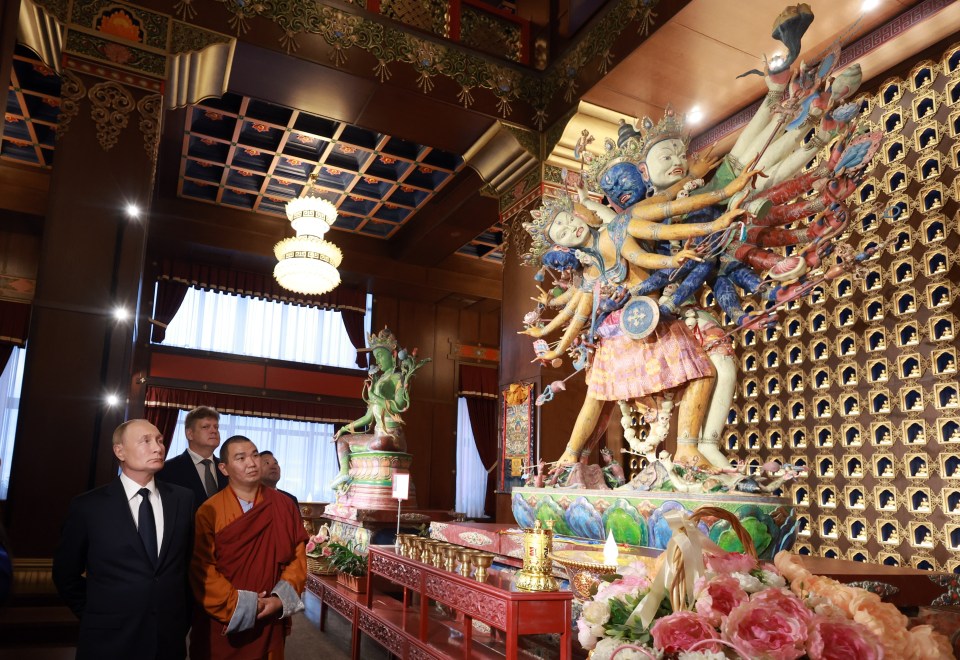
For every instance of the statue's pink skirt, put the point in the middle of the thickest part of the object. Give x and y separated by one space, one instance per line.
625 368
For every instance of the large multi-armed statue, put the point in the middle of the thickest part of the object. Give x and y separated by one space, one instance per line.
631 274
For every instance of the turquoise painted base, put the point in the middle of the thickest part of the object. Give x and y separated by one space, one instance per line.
637 518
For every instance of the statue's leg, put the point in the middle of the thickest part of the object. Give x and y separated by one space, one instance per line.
691 283
694 402
583 428
723 391
599 430
343 455
657 280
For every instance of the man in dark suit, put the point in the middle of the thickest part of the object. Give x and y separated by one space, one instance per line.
124 551
270 474
196 468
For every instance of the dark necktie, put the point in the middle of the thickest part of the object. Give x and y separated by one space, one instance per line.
147 525
208 481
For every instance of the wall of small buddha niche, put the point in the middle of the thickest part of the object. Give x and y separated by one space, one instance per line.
859 381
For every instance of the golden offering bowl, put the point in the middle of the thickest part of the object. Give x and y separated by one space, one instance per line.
450 557
586 567
482 560
465 556
402 544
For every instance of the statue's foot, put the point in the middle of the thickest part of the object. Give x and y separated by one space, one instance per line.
569 457
709 450
689 455
341 482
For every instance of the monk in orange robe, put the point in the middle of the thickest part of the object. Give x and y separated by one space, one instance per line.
249 564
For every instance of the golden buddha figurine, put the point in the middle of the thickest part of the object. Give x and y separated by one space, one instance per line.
831 501
917 404
858 502
911 306
855 409
944 299
857 470
950 366
927 540
921 471
941 267
911 338
887 471
955 434
952 401
851 379
885 438
884 407
881 343
914 371
882 374
924 505
894 537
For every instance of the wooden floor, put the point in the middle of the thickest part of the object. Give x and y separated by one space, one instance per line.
306 641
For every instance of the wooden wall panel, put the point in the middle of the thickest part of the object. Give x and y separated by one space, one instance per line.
431 420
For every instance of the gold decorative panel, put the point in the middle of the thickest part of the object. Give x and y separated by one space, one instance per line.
859 381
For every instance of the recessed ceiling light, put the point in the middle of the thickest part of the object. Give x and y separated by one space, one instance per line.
694 115
869 4
112 400
121 313
133 211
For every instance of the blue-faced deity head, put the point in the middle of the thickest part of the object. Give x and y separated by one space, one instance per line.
623 185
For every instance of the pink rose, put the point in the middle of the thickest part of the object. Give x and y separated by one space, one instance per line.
681 630
628 584
786 602
311 546
730 562
718 597
839 639
762 632
327 551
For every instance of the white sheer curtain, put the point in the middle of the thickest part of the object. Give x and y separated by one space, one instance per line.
471 475
10 382
305 451
225 323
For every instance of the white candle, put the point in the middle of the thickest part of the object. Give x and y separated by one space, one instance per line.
610 551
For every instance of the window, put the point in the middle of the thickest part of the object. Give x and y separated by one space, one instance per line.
10 381
305 450
471 475
239 325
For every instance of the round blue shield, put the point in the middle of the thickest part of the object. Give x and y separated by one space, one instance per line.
639 317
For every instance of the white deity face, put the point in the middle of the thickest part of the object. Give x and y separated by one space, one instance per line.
666 163
568 230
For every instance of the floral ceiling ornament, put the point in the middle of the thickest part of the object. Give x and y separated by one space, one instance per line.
112 105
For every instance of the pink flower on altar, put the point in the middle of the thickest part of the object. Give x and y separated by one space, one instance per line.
718 597
760 630
786 602
839 639
311 546
327 551
730 562
681 630
628 584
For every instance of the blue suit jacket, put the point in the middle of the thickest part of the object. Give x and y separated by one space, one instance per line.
129 606
182 472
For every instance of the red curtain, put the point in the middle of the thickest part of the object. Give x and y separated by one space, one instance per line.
14 322
165 419
479 386
170 295
259 285
234 404
353 323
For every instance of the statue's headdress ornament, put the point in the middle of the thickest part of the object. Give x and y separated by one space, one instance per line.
670 127
626 149
383 339
540 226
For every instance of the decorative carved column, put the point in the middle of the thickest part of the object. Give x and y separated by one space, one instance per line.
117 64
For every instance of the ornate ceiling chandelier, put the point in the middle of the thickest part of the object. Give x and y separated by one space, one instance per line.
306 263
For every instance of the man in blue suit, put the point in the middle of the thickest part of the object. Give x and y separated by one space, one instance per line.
121 565
196 468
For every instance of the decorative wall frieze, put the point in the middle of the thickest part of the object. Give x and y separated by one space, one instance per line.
72 91
111 108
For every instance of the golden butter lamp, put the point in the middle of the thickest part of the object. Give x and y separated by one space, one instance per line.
586 567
